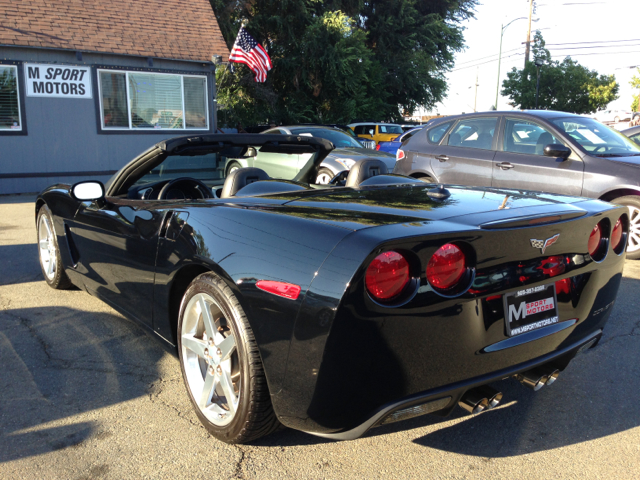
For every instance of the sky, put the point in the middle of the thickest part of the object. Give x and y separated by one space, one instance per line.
560 22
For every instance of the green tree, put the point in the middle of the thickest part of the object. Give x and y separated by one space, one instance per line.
340 60
635 83
566 86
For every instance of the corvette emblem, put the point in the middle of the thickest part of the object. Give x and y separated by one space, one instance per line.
543 244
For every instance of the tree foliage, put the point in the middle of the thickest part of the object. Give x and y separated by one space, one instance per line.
565 86
635 83
336 61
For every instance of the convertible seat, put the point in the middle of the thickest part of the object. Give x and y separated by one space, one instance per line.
240 178
363 169
544 139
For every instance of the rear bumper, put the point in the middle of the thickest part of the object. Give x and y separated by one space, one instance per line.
444 399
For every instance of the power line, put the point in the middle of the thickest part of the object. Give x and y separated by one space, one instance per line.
489 61
488 56
594 41
596 46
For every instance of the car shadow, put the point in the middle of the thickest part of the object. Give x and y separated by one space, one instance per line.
59 362
20 264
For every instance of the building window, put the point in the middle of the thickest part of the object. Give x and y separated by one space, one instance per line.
10 115
151 101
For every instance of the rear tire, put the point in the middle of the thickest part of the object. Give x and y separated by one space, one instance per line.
49 252
632 202
221 364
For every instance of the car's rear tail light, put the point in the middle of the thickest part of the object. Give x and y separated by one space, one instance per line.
446 267
618 236
563 286
598 241
282 289
399 154
378 147
387 275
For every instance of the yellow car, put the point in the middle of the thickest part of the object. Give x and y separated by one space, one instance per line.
380 132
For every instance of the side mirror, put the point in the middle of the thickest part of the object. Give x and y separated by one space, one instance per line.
557 150
371 132
85 191
251 152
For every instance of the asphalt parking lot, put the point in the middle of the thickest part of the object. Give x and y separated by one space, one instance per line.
87 394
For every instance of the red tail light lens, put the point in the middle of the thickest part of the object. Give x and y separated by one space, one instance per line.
594 240
616 236
446 267
399 154
378 147
387 275
595 244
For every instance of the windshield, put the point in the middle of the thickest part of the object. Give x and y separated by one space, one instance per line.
339 139
390 129
596 138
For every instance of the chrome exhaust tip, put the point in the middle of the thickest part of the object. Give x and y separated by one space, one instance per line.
553 376
538 377
474 402
493 396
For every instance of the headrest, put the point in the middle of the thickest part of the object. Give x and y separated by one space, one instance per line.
240 178
363 169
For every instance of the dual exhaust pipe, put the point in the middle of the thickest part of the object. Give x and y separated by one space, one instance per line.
484 398
538 377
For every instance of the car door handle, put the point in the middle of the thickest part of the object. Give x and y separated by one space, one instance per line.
442 158
504 165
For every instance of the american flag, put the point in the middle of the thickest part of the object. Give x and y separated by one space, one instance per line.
246 50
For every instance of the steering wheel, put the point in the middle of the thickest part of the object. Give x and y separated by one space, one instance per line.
602 149
186 186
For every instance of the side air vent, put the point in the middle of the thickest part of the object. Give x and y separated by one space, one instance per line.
73 250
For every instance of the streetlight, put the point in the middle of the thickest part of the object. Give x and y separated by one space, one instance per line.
502 29
539 62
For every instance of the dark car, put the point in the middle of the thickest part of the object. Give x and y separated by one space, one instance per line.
534 150
333 309
633 133
347 152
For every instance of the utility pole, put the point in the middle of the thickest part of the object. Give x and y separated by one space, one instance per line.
475 101
528 42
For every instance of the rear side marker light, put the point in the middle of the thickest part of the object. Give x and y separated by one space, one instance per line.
282 289
378 147
446 267
387 275
400 154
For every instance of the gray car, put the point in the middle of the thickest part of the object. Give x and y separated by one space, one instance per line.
534 150
633 133
347 152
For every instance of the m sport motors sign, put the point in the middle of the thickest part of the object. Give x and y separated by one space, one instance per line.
59 81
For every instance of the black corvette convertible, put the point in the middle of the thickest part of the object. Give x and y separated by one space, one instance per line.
334 308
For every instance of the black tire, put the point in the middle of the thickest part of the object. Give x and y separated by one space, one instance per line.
424 178
53 273
254 416
633 244
323 174
232 166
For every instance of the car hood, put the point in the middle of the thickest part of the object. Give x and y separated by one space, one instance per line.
635 161
383 205
360 153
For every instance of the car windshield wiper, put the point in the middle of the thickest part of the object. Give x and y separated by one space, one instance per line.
609 155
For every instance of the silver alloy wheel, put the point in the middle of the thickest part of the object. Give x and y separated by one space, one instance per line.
47 247
323 178
210 359
233 168
634 229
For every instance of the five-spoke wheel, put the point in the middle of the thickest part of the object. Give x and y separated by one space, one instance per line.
221 363
49 253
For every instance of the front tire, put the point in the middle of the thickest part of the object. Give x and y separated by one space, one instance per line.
49 252
632 202
221 364
324 176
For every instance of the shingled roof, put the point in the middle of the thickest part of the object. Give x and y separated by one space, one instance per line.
175 29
